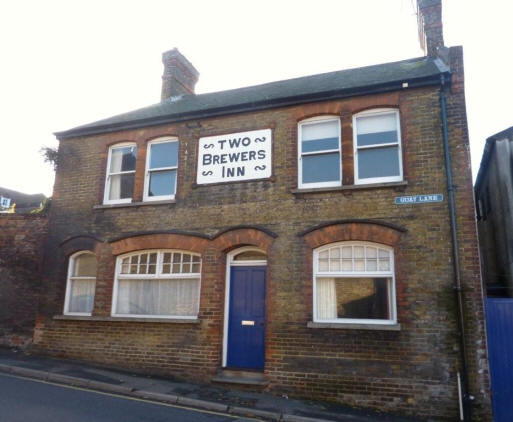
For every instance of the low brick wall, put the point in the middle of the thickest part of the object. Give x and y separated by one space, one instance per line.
21 247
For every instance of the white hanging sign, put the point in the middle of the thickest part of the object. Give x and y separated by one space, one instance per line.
234 157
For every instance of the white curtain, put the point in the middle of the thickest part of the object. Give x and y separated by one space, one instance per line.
116 160
173 297
81 295
326 298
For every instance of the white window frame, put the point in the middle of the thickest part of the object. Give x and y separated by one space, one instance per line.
310 121
376 112
158 275
392 303
108 175
148 171
70 278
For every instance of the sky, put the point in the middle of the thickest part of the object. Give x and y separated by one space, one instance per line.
67 63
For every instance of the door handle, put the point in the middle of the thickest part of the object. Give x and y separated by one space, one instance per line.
248 322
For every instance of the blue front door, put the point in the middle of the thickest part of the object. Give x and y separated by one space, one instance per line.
246 325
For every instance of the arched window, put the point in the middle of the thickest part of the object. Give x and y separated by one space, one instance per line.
158 284
377 146
319 163
120 176
354 283
81 284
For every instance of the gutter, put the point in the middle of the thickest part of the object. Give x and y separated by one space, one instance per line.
465 414
253 106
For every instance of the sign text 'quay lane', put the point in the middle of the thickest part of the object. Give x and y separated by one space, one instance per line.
418 199
235 157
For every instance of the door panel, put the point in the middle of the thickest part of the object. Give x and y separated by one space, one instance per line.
499 330
246 343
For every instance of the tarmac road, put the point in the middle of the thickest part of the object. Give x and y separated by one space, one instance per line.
25 400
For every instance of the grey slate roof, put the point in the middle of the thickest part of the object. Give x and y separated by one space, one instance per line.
24 202
487 151
370 79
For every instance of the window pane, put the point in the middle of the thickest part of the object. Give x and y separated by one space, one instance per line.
319 145
121 186
123 159
84 265
376 124
384 265
158 297
358 298
378 162
320 136
321 130
248 256
377 138
164 154
81 296
162 183
321 168
372 264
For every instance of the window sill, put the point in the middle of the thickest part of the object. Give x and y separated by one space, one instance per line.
398 185
134 204
125 319
347 326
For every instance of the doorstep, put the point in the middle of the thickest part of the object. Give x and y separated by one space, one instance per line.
240 377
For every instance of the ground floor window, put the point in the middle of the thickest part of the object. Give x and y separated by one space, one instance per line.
81 284
157 283
354 283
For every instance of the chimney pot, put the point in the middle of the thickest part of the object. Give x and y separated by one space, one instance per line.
179 77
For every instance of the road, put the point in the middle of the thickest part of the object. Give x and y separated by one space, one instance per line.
25 400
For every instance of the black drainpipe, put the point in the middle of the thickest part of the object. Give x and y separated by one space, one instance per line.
467 398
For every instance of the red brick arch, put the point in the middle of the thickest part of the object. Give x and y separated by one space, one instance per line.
80 243
231 239
159 241
383 233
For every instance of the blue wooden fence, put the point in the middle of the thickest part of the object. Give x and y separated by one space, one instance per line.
499 324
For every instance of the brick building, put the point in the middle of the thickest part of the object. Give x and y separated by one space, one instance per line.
271 236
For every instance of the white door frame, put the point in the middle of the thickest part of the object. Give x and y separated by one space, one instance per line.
231 263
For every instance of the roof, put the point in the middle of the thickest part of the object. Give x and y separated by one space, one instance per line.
24 202
488 148
422 71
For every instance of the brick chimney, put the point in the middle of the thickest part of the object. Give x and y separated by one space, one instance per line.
429 19
179 77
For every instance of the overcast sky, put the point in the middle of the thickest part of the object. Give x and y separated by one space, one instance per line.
66 63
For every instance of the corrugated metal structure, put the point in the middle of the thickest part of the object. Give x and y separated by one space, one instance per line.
494 199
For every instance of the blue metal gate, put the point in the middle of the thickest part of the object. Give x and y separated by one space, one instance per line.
499 325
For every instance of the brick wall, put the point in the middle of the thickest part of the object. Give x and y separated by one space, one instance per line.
21 246
411 371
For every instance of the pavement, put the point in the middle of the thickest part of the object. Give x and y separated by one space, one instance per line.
241 403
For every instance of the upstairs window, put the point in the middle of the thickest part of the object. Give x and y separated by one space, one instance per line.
161 170
377 147
119 185
81 284
319 153
354 283
157 283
